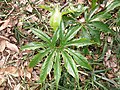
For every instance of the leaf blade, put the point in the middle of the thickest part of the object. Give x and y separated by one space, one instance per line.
33 46
72 32
37 58
41 34
79 42
70 65
80 59
46 67
57 69
103 27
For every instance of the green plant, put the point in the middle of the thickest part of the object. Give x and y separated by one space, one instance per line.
54 47
60 47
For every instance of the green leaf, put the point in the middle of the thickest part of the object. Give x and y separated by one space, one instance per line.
41 35
85 33
103 27
61 29
93 11
71 9
68 20
46 7
46 67
105 14
55 19
94 3
38 57
80 59
112 6
57 68
100 16
72 32
70 65
33 46
79 42
95 35
55 37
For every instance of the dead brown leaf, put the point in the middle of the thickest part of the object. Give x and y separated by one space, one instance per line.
9 70
5 24
2 62
13 21
35 77
17 87
2 79
81 1
12 47
29 8
3 38
28 75
2 45
13 39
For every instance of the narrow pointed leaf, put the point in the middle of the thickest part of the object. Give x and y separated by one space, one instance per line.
46 67
80 59
79 42
38 57
72 32
33 46
57 69
100 16
61 30
103 27
41 35
70 65
105 14
93 11
113 5
55 37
